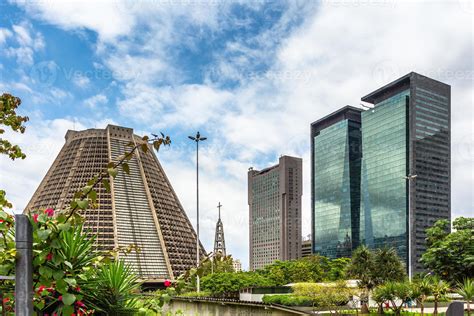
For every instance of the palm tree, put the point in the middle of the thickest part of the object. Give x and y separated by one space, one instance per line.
420 292
466 290
439 288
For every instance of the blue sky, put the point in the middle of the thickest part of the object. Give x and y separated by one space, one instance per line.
250 75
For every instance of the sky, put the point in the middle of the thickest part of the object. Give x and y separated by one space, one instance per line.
249 75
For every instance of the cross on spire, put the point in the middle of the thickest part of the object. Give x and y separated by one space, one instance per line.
219 208
219 241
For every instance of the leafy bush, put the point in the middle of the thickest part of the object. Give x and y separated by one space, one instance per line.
196 294
308 269
118 289
287 300
327 296
230 283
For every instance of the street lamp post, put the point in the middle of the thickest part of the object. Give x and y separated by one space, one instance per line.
197 139
409 178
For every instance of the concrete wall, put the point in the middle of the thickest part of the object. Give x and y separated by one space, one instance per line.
202 308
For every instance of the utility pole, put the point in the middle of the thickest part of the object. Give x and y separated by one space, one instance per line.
197 139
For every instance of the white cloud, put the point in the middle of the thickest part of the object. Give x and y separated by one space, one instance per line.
96 100
342 51
81 81
27 41
4 34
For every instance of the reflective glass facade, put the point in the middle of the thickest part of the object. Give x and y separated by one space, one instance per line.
336 151
384 200
403 175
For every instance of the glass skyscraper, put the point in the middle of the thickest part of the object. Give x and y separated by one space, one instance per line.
336 153
402 172
384 166
406 164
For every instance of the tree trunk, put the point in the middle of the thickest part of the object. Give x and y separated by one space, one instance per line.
435 312
364 309
422 306
468 309
380 309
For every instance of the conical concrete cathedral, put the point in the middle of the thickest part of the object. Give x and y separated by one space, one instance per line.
142 208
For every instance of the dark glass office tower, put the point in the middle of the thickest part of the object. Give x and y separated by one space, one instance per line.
335 178
406 175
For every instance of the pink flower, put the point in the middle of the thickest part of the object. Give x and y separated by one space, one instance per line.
60 298
78 289
35 218
49 257
80 304
167 283
1 221
49 212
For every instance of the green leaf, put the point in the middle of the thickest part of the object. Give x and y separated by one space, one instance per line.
58 274
61 218
40 304
61 286
126 168
70 281
64 227
86 189
93 195
42 218
92 181
112 172
45 271
68 310
43 234
106 185
68 264
82 204
69 298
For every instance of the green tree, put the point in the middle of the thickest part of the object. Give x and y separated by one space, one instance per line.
466 290
450 254
228 284
387 266
379 295
9 118
373 268
362 267
216 264
439 288
328 297
338 269
394 292
421 289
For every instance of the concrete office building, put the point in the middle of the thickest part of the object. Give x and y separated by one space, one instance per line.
274 198
142 208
